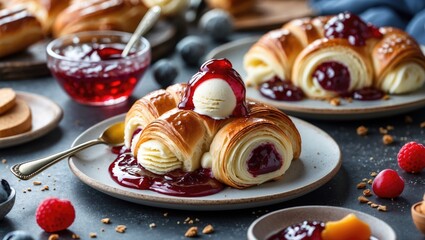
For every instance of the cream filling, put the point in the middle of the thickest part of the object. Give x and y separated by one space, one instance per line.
356 67
130 127
261 67
157 158
405 78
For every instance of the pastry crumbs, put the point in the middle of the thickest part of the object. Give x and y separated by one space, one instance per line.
191 232
387 139
362 130
208 229
45 188
386 97
4 161
370 181
92 235
367 193
383 130
106 220
120 228
374 205
335 101
152 225
75 236
36 183
422 125
361 185
363 199
53 237
373 174
382 208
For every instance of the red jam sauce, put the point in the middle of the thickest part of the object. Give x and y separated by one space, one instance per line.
222 69
351 27
88 82
279 90
127 172
368 94
333 76
307 230
264 159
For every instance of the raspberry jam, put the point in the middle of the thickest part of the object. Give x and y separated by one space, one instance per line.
332 76
279 90
264 159
307 230
222 69
351 27
96 74
127 172
368 94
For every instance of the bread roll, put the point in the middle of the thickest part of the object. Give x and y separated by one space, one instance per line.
17 120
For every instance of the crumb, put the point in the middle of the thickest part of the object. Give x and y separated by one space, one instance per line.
54 237
208 229
92 235
373 174
361 185
367 193
75 236
362 130
166 214
45 188
190 222
370 181
4 161
152 225
335 101
408 119
187 219
383 130
386 97
390 127
382 208
28 189
105 220
387 139
120 228
422 125
178 222
197 220
349 99
369 203
374 205
24 191
364 180
36 183
362 199
191 232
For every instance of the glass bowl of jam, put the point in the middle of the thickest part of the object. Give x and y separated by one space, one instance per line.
90 68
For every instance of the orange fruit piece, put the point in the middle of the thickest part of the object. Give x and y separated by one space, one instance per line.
348 228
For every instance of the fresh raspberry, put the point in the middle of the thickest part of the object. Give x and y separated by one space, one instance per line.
388 184
55 214
411 157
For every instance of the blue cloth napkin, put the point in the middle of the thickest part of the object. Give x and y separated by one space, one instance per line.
405 14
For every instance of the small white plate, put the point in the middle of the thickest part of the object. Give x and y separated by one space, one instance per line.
46 115
265 226
316 109
317 165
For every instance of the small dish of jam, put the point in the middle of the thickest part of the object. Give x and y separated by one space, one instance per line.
318 223
90 69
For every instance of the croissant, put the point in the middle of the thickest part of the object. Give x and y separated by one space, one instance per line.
323 67
18 30
46 11
399 62
149 108
120 15
177 139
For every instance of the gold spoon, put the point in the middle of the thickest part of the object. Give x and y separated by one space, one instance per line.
112 136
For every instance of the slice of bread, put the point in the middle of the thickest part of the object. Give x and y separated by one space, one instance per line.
17 120
7 99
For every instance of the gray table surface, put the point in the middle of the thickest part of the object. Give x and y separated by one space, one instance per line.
361 155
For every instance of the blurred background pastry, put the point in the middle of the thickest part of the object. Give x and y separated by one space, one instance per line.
234 7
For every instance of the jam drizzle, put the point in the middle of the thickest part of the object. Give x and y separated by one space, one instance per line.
127 172
279 90
222 69
264 159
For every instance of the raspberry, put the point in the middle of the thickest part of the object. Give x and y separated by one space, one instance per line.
388 184
55 214
411 157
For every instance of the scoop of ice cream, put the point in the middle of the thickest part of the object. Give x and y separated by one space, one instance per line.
214 98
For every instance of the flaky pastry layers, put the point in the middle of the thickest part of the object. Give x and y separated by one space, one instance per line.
185 139
90 15
393 63
18 30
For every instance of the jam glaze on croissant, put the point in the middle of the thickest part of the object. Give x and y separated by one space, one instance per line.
335 56
18 30
241 150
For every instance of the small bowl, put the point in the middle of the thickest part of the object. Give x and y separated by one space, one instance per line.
271 223
418 217
6 206
89 66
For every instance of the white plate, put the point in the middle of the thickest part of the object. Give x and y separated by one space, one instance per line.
46 115
316 109
317 165
277 220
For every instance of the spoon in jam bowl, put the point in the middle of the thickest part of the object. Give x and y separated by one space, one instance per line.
112 136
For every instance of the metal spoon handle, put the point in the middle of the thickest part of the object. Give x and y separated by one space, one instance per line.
145 25
29 169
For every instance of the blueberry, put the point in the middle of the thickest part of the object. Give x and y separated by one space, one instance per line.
164 72
18 235
217 23
4 190
192 49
